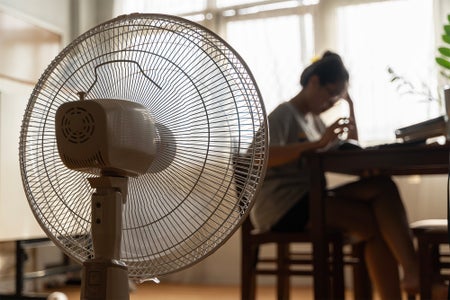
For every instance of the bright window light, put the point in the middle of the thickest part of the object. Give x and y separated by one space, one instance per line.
373 37
174 7
273 50
228 3
267 7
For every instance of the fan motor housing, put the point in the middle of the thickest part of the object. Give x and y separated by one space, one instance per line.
112 136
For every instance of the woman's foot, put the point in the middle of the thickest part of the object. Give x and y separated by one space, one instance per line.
411 283
439 291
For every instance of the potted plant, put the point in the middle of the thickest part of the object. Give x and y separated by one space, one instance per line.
444 59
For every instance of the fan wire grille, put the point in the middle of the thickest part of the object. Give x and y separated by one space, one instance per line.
211 138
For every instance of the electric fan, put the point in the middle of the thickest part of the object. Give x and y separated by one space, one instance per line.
142 147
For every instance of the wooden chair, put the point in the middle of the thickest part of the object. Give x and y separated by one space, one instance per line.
287 263
431 234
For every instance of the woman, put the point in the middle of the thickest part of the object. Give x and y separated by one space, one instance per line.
369 209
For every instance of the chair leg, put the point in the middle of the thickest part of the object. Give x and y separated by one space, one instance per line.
248 275
283 284
435 263
337 271
425 266
362 286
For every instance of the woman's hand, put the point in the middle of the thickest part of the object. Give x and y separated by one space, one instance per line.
353 133
336 131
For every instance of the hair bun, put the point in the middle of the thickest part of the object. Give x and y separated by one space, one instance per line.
329 68
330 55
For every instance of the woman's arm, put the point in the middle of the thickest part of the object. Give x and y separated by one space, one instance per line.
353 132
279 155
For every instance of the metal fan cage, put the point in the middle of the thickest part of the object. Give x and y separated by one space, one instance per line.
212 140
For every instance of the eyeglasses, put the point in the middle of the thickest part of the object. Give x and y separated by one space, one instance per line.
333 92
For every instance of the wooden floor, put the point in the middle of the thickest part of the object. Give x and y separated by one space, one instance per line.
167 291
152 291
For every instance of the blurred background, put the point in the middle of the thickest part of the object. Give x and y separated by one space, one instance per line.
377 39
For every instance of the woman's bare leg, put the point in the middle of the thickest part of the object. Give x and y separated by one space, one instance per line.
383 268
390 215
358 219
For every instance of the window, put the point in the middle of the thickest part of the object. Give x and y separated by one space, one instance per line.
275 59
228 3
279 38
174 7
371 38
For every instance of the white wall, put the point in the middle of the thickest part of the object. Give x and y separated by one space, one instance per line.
50 14
67 17
27 47
37 31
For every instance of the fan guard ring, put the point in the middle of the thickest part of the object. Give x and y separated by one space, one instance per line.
213 138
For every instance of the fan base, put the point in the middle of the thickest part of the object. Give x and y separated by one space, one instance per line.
104 280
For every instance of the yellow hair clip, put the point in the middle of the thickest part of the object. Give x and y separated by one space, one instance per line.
315 58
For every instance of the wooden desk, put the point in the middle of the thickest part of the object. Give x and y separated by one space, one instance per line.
429 159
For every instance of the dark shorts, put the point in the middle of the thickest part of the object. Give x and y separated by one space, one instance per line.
296 219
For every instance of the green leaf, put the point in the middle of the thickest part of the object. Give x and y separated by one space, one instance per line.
444 74
448 18
447 29
446 38
443 62
444 51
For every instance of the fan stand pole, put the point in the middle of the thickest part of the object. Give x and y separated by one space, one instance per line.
105 277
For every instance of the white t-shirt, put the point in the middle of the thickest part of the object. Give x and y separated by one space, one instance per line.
284 185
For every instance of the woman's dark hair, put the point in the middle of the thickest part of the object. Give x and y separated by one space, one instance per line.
329 69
